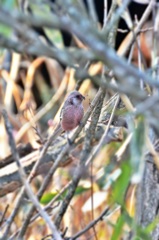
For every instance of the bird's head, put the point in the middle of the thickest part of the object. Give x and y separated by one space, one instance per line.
75 98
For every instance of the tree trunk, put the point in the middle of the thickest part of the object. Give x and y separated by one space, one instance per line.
147 207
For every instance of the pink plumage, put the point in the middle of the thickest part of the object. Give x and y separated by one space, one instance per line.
72 111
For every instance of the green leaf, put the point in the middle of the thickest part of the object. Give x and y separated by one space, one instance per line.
118 228
137 147
139 233
46 198
81 189
152 225
120 186
142 234
8 5
5 31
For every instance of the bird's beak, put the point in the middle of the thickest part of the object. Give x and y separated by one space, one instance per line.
83 97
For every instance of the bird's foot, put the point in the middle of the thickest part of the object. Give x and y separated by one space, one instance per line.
80 123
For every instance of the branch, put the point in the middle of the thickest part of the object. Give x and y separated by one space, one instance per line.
90 225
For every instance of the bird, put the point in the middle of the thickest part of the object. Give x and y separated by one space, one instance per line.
72 111
71 114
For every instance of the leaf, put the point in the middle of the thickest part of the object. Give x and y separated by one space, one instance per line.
118 228
120 186
46 198
5 31
112 178
138 231
142 233
152 225
81 189
137 147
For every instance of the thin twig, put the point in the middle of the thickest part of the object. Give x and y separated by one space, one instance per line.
90 225
92 11
92 200
4 213
140 31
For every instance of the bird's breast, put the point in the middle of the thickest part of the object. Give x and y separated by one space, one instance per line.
71 117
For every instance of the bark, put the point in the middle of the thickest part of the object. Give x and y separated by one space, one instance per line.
147 208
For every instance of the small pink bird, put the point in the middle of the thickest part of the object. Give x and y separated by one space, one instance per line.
72 111
71 114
